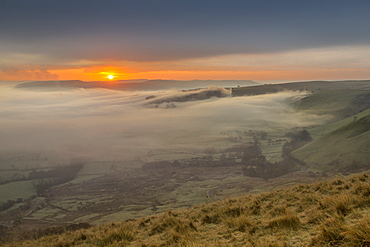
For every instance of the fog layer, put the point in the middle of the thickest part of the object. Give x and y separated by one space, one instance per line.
103 124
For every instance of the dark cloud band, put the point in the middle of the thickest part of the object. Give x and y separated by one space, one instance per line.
175 30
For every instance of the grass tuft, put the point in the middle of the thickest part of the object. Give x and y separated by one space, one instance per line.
331 233
359 234
288 221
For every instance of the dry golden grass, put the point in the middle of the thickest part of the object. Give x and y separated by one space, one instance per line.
330 213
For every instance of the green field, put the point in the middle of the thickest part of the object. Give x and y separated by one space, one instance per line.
15 190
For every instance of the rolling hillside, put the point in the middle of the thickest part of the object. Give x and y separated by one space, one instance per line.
342 144
344 148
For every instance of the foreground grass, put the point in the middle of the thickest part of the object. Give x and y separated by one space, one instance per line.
330 213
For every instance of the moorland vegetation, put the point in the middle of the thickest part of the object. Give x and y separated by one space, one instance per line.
330 213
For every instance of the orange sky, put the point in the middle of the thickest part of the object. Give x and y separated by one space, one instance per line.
336 63
100 74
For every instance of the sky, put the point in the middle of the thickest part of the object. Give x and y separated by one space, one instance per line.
170 39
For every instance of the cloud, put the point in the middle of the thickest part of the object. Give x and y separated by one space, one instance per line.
173 31
338 57
33 74
102 124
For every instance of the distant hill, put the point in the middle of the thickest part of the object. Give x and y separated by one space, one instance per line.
53 85
329 213
311 86
133 85
189 95
180 85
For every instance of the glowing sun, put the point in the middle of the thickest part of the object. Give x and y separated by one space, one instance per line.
110 77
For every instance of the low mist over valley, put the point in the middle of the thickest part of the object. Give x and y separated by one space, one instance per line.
107 125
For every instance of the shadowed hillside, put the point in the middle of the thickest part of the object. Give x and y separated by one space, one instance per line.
330 213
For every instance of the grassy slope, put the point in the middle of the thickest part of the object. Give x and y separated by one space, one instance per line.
322 130
340 103
329 213
343 146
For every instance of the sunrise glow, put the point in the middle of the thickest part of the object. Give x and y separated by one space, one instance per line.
283 47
